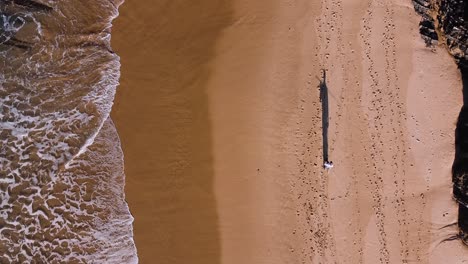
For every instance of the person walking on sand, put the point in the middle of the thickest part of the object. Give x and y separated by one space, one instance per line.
328 165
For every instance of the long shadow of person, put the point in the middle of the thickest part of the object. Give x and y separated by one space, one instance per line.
324 100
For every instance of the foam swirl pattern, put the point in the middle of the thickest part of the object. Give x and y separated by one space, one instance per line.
61 166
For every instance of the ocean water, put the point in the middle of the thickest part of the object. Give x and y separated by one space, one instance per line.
61 165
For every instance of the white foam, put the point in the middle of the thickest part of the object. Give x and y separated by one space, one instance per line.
48 158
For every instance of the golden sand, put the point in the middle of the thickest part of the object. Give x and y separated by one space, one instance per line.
220 120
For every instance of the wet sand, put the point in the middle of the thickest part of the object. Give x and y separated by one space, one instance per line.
220 120
161 113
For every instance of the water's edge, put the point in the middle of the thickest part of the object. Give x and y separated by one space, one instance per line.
61 164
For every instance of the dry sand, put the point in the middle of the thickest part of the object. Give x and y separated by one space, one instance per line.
219 116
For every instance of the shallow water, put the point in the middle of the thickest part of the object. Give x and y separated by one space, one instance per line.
61 173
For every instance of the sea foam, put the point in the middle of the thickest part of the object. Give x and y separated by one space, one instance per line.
61 166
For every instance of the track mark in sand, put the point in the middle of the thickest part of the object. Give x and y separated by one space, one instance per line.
344 68
375 141
375 180
396 112
333 55
387 116
312 197
370 117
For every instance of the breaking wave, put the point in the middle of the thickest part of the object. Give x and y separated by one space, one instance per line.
61 166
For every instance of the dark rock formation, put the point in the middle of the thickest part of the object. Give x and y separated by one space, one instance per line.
426 26
423 7
452 17
460 164
447 21
428 32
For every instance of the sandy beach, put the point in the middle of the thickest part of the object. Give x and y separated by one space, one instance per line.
219 115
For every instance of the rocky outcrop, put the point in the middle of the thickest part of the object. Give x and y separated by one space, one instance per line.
452 18
427 25
460 164
446 22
